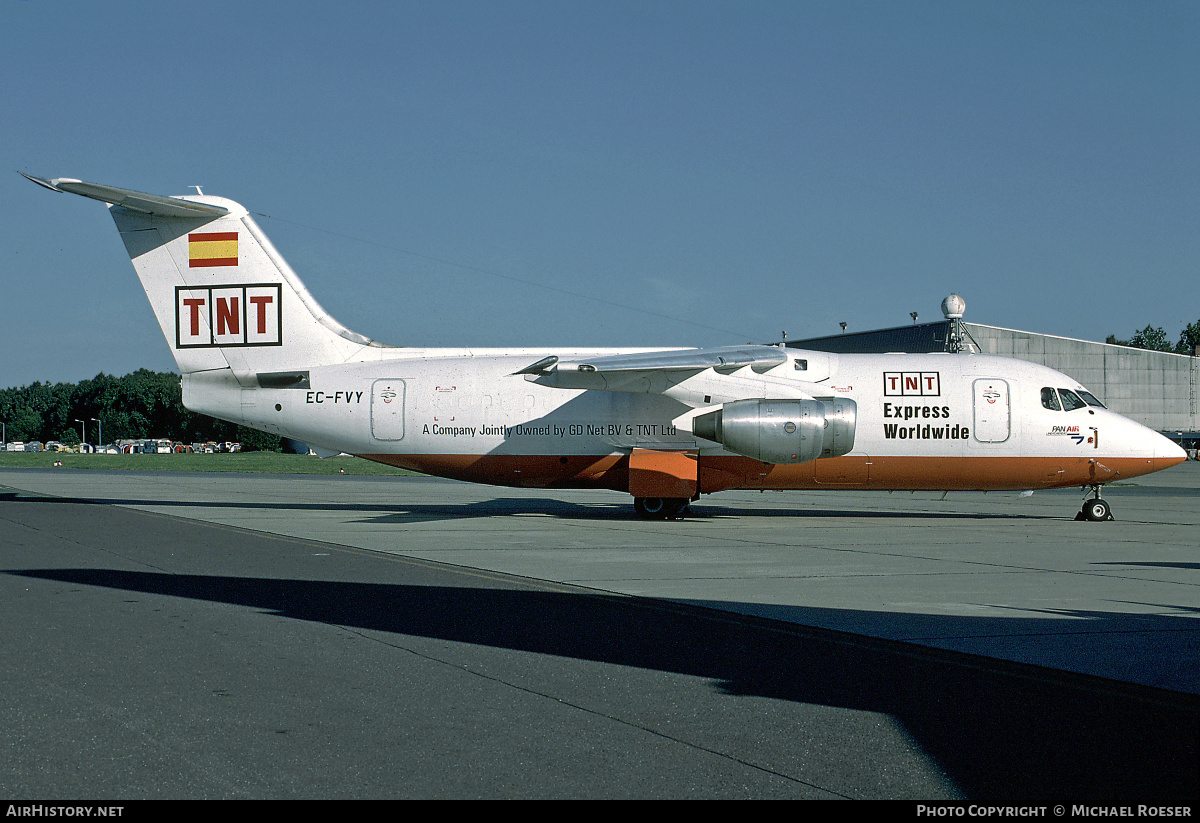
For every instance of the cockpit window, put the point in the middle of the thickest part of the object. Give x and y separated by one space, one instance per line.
1050 399
1090 399
1071 401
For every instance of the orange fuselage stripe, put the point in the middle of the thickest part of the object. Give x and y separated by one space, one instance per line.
851 472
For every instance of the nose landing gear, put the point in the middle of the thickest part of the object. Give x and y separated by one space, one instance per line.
1095 509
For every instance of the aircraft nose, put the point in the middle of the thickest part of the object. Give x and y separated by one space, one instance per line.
1142 441
1169 450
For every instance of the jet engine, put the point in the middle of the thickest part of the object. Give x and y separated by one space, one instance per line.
782 431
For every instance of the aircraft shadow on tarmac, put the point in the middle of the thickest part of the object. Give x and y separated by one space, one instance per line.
998 730
546 507
697 513
1151 564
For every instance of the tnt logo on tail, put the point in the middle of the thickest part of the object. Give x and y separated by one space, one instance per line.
232 315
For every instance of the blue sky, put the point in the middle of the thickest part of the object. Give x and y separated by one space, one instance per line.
671 173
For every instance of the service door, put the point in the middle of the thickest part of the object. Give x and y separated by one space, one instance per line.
853 469
387 409
992 417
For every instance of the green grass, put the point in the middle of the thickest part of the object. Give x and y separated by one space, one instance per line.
247 462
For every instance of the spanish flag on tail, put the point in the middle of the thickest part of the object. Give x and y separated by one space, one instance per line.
218 248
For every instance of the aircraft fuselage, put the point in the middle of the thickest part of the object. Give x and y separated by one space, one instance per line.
665 425
936 421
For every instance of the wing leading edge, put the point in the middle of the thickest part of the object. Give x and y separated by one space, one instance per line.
652 371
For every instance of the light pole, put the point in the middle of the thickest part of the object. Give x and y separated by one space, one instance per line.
82 431
99 432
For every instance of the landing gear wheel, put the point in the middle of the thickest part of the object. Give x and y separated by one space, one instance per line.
659 508
1096 510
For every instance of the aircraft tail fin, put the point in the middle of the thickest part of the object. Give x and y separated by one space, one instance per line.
224 297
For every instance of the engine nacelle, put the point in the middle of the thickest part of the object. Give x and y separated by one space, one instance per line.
782 431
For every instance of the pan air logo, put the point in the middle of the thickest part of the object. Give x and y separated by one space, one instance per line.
1076 434
912 384
214 248
250 315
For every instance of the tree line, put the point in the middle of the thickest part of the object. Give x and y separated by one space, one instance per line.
1155 339
138 406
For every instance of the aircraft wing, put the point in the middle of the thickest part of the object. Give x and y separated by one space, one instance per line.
652 371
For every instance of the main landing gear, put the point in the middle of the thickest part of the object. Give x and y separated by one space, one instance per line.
659 508
1095 509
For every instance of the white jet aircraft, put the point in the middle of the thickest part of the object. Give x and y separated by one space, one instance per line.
666 426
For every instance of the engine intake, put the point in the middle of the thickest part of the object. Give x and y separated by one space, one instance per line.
782 431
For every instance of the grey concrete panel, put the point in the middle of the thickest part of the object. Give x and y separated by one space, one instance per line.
960 573
163 640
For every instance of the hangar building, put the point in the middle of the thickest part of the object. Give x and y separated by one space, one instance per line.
1158 389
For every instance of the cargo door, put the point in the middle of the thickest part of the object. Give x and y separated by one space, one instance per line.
387 409
853 469
993 421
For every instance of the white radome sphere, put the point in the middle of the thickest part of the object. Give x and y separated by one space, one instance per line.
953 307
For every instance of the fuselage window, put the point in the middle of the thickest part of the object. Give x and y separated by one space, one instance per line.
801 365
1050 399
1070 400
1090 399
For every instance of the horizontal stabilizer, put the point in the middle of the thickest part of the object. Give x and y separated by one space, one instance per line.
133 200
